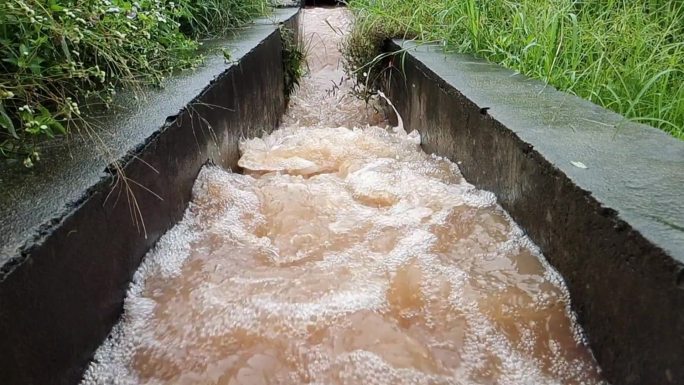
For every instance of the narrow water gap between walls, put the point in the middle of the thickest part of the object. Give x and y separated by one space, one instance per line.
343 255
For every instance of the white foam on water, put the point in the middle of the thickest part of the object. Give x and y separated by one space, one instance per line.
374 263
343 256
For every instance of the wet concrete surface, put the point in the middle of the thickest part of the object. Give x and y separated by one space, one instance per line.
634 169
61 290
601 196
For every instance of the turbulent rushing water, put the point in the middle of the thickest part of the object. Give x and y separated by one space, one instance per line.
343 256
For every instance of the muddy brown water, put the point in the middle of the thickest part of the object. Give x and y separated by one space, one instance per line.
343 255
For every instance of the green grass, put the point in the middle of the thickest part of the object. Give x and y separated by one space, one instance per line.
627 56
62 58
294 59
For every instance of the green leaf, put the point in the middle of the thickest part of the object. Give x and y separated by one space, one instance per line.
12 60
35 68
55 6
59 127
6 122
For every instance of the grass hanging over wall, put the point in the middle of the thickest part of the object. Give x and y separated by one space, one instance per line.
61 57
627 56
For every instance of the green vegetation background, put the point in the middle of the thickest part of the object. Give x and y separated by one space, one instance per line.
59 58
625 55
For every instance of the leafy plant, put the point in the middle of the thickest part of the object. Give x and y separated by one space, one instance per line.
62 58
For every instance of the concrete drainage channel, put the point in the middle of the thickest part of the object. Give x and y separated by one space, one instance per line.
602 197
70 247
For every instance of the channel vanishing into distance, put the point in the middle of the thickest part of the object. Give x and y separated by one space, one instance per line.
343 254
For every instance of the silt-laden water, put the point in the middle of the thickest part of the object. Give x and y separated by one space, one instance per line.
343 255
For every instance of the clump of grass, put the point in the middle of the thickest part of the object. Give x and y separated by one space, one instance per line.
627 56
362 52
294 59
59 58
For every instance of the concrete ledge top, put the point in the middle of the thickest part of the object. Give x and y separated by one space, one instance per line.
633 169
32 201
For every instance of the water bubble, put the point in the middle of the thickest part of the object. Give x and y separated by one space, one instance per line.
343 256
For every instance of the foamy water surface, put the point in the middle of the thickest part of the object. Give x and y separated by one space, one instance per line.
343 256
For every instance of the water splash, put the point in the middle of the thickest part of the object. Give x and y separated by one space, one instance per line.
343 256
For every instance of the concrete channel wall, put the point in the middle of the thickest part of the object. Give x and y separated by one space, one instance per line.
69 243
601 196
